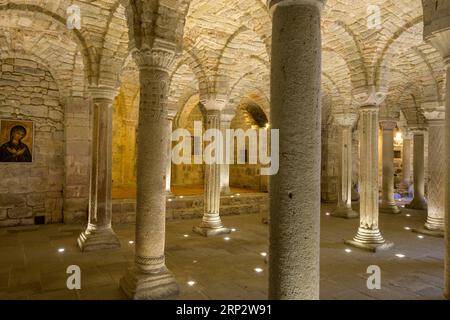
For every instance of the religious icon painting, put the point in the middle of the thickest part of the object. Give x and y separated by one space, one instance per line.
16 140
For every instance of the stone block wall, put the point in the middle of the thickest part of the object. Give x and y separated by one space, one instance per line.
246 175
29 92
192 207
78 123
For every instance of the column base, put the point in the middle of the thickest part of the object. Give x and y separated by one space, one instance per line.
160 285
355 195
389 208
417 204
93 239
370 240
169 194
346 213
225 191
211 232
372 247
429 232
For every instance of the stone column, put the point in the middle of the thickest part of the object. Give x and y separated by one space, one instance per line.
346 121
211 224
225 122
150 278
169 157
437 31
434 225
369 236
418 202
406 162
295 112
447 181
388 204
99 233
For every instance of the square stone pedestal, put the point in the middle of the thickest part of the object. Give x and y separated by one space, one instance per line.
149 286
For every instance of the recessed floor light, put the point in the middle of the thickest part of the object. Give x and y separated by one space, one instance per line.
233 230
258 270
131 242
407 228
231 196
185 235
348 250
191 283
327 214
170 200
226 238
420 236
264 254
195 261
408 215
400 255
61 250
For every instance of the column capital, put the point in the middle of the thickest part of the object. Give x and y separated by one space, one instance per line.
161 59
171 116
214 103
345 119
417 129
369 96
318 3
103 93
435 117
388 124
406 133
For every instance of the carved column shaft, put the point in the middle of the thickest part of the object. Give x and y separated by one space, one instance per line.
99 234
419 201
150 278
225 123
344 207
169 155
436 185
406 162
388 203
211 224
447 185
369 236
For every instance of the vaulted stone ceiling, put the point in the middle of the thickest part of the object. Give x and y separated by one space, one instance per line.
227 50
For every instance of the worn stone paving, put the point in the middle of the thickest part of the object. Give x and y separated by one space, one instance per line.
32 268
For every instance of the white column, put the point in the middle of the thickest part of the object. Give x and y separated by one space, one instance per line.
294 271
211 224
447 181
99 234
434 225
169 156
437 30
150 278
225 122
369 236
406 162
388 204
418 202
346 121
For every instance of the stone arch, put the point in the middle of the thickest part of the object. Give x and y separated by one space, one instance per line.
114 49
77 35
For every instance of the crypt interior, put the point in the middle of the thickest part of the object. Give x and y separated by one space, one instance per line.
356 89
